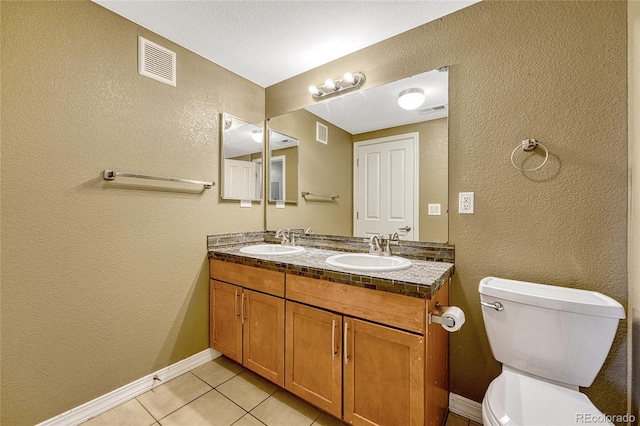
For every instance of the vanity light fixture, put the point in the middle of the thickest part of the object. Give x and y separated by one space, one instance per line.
411 99
256 135
331 88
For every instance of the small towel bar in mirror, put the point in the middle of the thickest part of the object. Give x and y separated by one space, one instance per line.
333 197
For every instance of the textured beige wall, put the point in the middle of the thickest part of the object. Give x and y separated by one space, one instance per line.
291 170
103 282
634 200
324 215
434 149
555 71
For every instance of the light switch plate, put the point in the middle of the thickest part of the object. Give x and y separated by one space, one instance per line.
279 204
465 203
434 210
245 203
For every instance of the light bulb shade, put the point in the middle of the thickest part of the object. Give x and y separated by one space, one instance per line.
313 90
410 99
329 84
348 78
256 135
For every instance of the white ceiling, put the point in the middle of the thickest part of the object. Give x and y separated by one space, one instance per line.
268 41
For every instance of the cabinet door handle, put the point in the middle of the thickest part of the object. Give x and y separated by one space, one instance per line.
346 350
333 339
244 296
235 306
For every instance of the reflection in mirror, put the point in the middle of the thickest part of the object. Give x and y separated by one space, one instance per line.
283 167
363 118
242 166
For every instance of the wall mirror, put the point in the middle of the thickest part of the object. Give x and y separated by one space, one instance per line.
283 167
241 168
370 116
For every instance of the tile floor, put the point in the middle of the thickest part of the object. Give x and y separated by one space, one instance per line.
221 393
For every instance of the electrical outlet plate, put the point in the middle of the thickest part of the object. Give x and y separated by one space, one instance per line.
465 202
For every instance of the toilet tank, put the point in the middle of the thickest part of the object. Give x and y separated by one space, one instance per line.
558 333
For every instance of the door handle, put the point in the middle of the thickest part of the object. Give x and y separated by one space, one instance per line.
406 228
235 305
333 339
244 296
346 350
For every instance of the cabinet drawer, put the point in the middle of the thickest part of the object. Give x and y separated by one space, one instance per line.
263 280
396 310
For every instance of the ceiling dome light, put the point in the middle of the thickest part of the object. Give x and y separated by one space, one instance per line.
256 135
410 99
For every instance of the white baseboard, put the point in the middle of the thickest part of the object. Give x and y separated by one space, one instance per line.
84 412
465 407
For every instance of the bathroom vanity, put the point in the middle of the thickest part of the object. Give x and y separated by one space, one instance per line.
356 345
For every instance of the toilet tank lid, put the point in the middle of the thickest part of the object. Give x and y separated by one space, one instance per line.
552 297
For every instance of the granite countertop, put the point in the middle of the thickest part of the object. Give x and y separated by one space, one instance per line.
422 280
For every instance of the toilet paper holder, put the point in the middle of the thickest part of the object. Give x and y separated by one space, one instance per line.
449 322
431 318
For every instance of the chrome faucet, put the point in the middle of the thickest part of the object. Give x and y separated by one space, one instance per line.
374 244
382 246
292 234
283 235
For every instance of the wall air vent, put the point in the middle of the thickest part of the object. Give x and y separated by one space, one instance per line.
434 108
156 62
322 133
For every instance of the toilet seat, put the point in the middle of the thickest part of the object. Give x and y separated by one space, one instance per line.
514 399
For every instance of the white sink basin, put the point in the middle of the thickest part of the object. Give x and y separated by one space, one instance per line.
368 262
271 249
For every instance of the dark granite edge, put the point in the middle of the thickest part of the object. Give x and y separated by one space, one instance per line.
341 277
418 250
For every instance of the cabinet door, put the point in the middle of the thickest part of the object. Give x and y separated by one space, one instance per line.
314 356
383 375
225 329
264 335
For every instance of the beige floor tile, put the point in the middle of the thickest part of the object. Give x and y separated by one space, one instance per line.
327 420
130 413
218 371
248 420
211 409
172 395
285 409
247 389
456 420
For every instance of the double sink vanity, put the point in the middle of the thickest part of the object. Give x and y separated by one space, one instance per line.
345 330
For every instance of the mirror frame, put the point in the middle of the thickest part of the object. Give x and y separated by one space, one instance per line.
259 194
268 174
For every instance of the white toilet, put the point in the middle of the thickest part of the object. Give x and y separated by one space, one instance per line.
550 340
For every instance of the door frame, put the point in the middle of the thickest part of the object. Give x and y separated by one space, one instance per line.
416 176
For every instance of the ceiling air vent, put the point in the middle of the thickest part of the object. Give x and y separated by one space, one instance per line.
156 62
434 108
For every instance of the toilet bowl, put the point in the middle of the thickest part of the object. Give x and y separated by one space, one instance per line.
550 340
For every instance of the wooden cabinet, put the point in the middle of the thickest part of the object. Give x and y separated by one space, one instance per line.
383 375
369 357
248 325
264 335
314 356
225 321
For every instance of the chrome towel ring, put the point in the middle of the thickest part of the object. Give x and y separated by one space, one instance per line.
530 145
